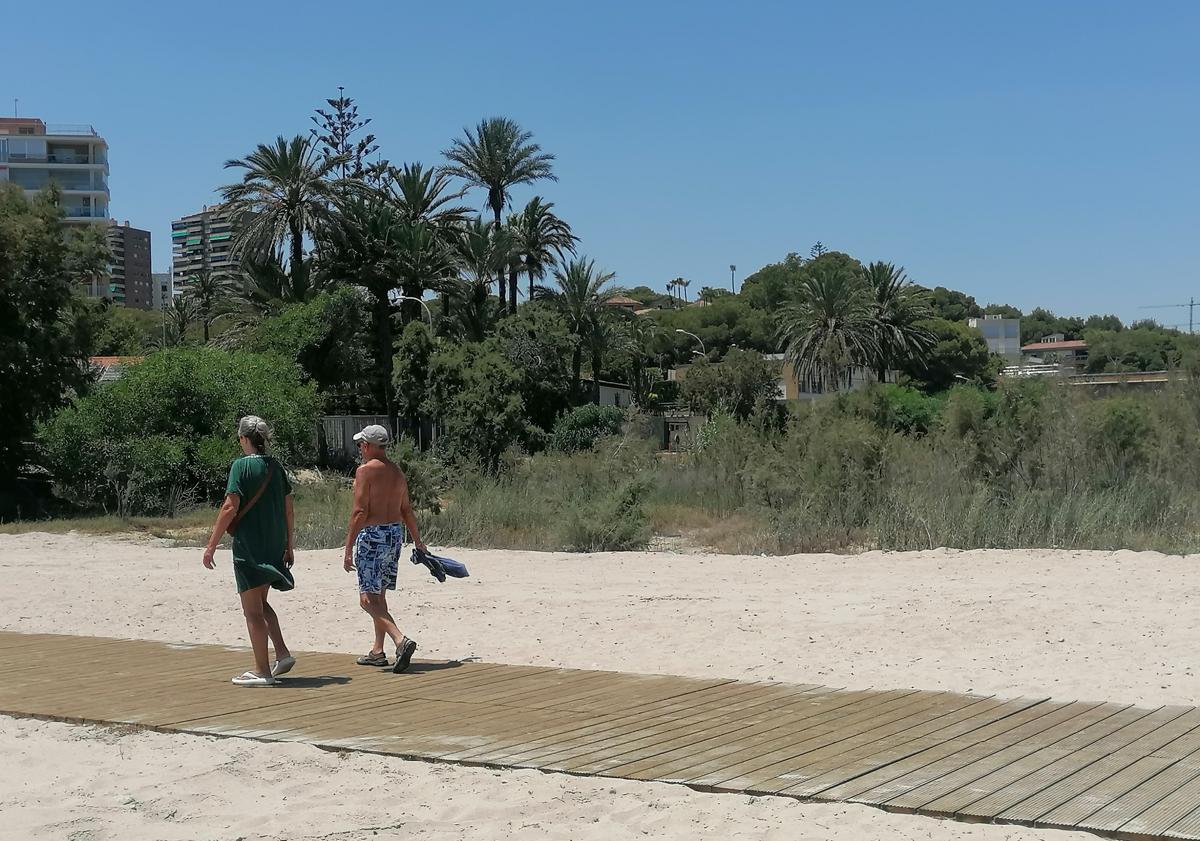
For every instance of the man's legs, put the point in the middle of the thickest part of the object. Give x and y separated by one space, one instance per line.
253 602
375 604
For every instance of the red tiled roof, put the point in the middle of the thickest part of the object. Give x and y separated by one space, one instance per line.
1075 344
622 301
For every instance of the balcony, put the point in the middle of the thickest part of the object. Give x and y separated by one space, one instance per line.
86 212
71 130
73 160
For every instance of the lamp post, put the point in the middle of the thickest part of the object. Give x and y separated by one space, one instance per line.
703 351
732 269
428 312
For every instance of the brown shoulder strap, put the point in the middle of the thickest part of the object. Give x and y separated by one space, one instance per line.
257 494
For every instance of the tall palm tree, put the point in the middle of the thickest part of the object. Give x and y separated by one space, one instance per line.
285 194
898 307
362 249
829 328
496 156
542 240
582 294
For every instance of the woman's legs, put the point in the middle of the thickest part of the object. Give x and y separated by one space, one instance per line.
253 607
273 631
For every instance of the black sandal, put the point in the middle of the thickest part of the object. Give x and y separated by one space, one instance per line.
404 653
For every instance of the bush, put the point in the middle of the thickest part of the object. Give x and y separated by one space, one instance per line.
427 476
166 431
738 385
900 409
476 394
589 501
581 428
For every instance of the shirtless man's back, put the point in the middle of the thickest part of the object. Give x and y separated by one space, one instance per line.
382 511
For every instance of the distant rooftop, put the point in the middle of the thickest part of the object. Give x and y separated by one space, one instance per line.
1074 344
37 127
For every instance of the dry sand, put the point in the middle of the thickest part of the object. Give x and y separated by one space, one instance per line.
1074 625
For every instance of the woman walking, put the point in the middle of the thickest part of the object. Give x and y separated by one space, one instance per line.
258 513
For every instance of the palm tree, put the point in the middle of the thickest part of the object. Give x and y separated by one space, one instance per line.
497 156
646 340
484 249
541 241
829 328
213 294
684 284
898 308
180 315
362 249
608 333
260 288
581 297
424 195
285 194
425 261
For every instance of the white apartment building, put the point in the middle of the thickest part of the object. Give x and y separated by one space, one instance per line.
1003 335
34 153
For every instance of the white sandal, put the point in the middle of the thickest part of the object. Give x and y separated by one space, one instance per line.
253 679
283 666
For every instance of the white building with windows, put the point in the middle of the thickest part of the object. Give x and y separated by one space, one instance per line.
1003 335
34 154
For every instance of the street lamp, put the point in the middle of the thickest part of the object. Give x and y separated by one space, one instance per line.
428 311
703 351
732 269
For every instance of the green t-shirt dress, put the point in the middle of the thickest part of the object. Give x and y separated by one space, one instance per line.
261 537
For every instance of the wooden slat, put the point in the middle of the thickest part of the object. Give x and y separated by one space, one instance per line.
1109 768
992 793
1030 798
970 765
938 758
517 748
842 766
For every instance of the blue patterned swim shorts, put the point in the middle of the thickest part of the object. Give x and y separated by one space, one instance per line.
376 555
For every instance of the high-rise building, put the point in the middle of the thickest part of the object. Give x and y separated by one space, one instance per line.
163 290
129 272
202 242
33 154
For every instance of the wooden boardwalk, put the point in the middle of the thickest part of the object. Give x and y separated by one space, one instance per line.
1116 770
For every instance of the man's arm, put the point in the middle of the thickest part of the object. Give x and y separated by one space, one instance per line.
358 514
407 515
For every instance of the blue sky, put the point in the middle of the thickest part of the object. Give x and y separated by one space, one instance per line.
1025 152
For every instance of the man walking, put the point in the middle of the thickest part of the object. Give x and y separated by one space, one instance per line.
382 510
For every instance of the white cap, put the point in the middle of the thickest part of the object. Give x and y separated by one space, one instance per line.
374 434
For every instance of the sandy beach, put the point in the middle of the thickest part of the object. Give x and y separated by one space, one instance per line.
1072 625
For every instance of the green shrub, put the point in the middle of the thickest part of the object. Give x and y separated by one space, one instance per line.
427 476
901 409
167 430
583 426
